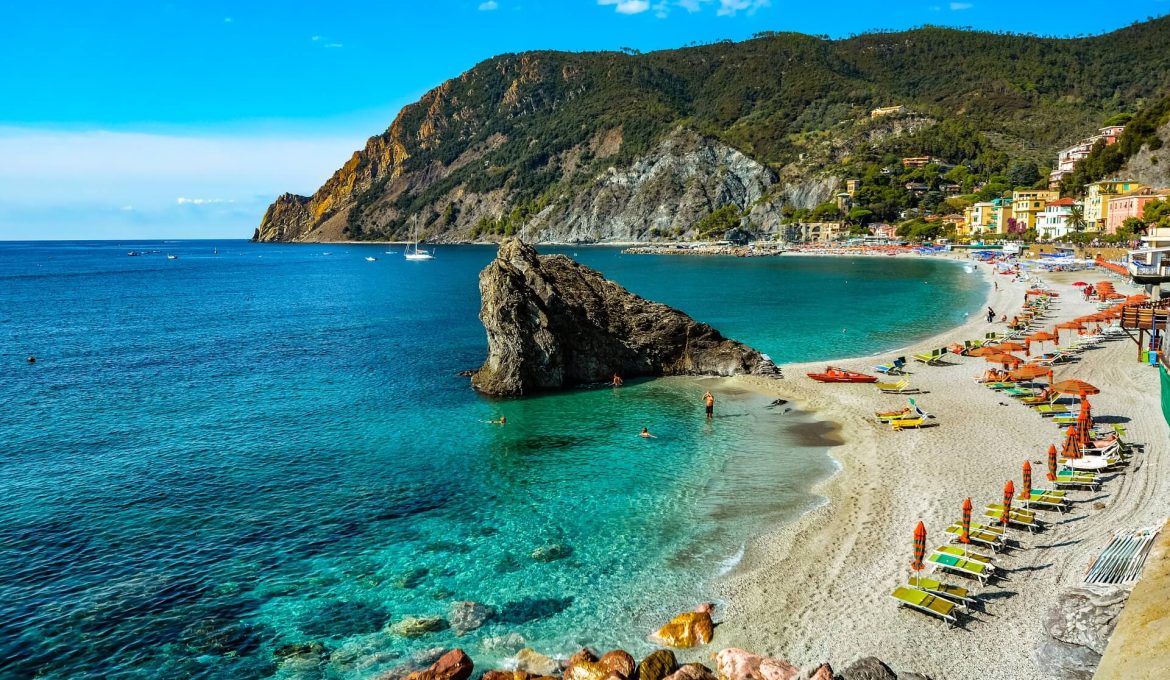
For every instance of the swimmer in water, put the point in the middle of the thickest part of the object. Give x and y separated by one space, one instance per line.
646 434
501 421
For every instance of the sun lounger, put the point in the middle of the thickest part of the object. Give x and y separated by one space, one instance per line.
908 423
1052 500
959 565
1051 409
1018 517
982 537
900 387
922 601
932 357
966 553
1077 479
961 597
893 368
1000 385
1020 392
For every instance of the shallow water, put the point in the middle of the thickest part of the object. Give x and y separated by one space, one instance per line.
221 454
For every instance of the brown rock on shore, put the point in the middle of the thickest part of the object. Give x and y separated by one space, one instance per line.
689 629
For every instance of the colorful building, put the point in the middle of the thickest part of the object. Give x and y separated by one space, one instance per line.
1130 205
1002 212
979 218
1028 204
1097 197
1053 221
1068 157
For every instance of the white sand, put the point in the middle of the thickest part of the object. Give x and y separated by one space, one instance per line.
818 590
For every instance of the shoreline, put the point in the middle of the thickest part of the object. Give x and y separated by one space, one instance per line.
816 589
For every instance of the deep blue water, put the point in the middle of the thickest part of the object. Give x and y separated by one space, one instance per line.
217 455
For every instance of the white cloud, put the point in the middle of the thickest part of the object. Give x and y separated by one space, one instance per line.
627 6
127 208
691 5
227 20
316 38
488 6
183 200
729 8
959 6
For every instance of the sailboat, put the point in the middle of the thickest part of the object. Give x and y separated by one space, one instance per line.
411 252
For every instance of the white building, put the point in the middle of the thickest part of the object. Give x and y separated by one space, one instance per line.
1052 222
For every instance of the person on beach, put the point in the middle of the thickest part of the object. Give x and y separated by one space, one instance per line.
996 284
709 399
990 315
617 380
646 434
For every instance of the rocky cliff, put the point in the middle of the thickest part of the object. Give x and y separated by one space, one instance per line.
553 323
608 145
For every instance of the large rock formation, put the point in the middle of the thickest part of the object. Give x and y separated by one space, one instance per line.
553 323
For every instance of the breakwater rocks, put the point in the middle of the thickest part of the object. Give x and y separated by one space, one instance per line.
730 664
553 323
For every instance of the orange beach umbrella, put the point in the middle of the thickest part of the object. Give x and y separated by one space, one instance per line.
1077 387
1009 492
1026 492
1009 347
1004 359
982 351
1052 462
919 547
1071 450
1028 372
965 537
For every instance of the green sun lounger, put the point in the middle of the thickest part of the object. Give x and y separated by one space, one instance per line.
1080 480
922 601
900 387
966 554
961 597
1051 409
982 537
959 565
931 357
1022 518
1049 500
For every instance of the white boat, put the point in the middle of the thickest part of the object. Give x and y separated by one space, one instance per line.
371 259
411 252
172 257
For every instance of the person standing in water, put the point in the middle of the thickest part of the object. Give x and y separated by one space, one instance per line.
709 399
617 380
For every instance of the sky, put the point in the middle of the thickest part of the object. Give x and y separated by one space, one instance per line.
126 120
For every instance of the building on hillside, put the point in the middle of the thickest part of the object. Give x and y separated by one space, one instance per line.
1133 204
887 111
918 161
1053 221
851 186
979 218
917 188
1068 157
885 231
1097 197
1028 204
1001 212
844 201
951 189
810 232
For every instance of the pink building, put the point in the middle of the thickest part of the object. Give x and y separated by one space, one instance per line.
1132 205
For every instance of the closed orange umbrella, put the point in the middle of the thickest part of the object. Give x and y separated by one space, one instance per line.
1071 450
919 547
1077 387
1009 492
1026 492
1052 462
965 537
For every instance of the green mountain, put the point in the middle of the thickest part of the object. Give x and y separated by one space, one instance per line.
613 145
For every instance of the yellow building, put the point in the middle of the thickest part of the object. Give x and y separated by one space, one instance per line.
978 218
1027 206
1001 212
1097 198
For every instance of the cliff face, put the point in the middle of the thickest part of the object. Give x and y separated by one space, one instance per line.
565 146
553 323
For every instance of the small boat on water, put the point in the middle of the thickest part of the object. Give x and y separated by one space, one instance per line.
840 375
132 253
172 257
371 259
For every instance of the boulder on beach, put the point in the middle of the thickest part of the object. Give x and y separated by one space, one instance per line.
692 671
739 664
689 629
868 668
454 665
417 626
536 663
553 323
618 662
657 665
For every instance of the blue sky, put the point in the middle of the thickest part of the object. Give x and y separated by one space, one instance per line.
185 119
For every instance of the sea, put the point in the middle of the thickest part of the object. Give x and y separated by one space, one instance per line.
245 447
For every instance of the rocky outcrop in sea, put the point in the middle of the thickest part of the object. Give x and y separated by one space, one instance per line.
553 323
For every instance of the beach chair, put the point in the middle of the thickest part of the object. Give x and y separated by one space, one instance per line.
1049 500
909 423
932 357
1018 517
887 416
961 597
1042 397
920 600
1000 385
982 537
967 554
958 565
893 368
1051 409
900 387
1020 392
1072 478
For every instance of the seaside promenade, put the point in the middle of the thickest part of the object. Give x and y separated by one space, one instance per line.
819 589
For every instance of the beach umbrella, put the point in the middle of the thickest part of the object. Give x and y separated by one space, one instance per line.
965 537
1028 372
1079 283
1026 491
1052 462
1004 359
1071 450
1077 387
982 351
1009 492
919 547
1009 347
1140 297
1042 336
1083 426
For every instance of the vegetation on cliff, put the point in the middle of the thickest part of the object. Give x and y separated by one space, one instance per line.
508 146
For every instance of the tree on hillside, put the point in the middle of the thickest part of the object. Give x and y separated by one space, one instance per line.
1021 173
1156 214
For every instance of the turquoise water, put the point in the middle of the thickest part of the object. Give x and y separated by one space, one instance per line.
217 455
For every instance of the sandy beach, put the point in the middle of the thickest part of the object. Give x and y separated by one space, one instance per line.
818 590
